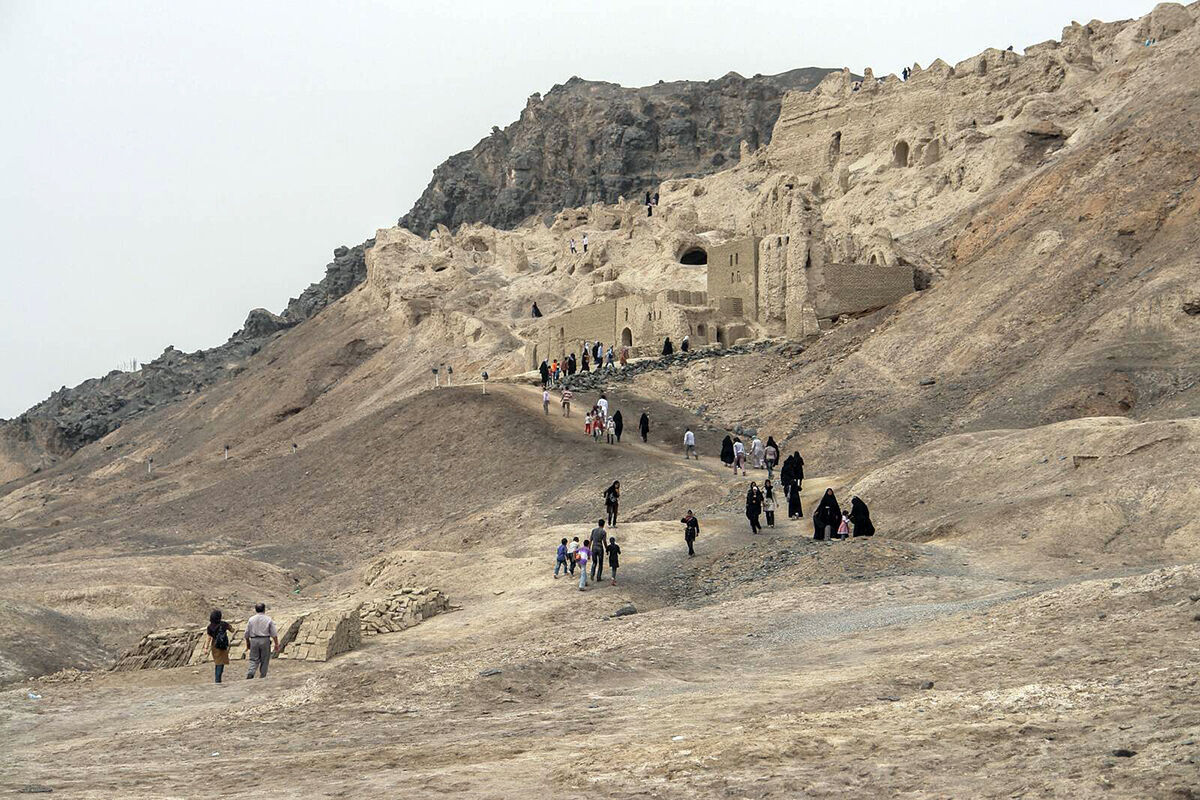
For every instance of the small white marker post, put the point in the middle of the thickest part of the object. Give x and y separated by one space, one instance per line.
485 383
449 374
295 450
226 452
149 466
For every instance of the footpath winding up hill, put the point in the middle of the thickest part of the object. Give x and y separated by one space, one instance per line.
1022 425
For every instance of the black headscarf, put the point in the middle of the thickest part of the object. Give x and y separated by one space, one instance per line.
860 517
828 509
754 499
771 443
727 450
644 422
798 466
668 348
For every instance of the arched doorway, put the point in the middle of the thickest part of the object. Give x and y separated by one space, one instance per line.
900 154
720 335
694 257
627 338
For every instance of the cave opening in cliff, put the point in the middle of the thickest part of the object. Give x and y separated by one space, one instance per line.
627 338
900 154
694 257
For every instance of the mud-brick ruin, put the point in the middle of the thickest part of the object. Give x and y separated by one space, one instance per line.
303 636
758 285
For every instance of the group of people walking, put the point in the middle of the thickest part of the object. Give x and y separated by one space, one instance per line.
594 357
589 555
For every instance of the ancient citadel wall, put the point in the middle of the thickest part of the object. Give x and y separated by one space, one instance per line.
733 273
835 125
852 288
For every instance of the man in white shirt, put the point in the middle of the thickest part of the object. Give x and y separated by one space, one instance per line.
545 401
739 456
602 403
689 445
260 635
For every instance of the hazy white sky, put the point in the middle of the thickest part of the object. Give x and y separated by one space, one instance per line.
165 167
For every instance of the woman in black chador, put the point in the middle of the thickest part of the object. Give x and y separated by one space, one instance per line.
792 490
754 504
860 518
828 514
618 425
644 425
727 451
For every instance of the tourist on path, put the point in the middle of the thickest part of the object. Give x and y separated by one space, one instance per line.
597 354
544 370
571 364
596 544
566 402
792 491
624 356
754 504
827 517
756 452
560 559
572 551
610 430
260 635
608 360
860 516
689 445
644 426
612 502
585 242
770 457
582 556
218 633
685 344
769 503
691 529
618 425
602 404
739 456
584 362
587 424
668 348
727 451
614 558
798 469
573 250
545 401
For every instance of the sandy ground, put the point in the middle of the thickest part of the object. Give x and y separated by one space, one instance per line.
769 666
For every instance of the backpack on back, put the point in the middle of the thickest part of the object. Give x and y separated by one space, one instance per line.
221 640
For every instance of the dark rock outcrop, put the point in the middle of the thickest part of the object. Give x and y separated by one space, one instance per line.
589 141
73 417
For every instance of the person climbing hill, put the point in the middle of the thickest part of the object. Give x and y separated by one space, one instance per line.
754 503
644 426
618 425
827 517
612 502
727 451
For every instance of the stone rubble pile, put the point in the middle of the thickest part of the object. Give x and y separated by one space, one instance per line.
401 610
306 636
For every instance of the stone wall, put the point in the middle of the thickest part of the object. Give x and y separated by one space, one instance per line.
306 636
733 272
853 288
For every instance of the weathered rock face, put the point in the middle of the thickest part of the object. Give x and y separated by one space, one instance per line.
71 418
588 141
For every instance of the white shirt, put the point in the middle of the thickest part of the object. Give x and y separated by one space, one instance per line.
738 449
603 404
545 395
689 439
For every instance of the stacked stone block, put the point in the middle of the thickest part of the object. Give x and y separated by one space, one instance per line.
401 610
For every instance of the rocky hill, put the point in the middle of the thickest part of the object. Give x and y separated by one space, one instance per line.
590 141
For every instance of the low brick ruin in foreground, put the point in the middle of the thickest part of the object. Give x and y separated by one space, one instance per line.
305 636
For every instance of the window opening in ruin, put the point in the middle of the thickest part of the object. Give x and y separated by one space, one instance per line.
694 257
720 335
737 258
700 329
627 338
835 147
627 315
900 154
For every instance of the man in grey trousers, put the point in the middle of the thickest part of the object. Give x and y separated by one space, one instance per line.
260 635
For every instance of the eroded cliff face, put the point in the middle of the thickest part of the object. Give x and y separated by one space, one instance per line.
588 141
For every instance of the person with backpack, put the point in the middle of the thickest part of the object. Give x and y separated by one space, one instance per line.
614 554
218 643
612 499
260 635
691 529
561 559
